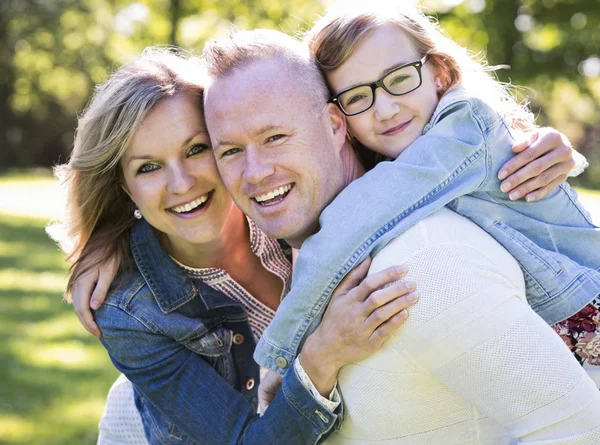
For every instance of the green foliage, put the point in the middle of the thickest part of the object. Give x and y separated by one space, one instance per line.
54 52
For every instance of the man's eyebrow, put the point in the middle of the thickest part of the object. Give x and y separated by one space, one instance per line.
257 132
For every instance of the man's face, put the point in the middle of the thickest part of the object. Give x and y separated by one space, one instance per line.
278 154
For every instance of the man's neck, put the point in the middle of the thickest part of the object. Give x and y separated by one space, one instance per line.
351 169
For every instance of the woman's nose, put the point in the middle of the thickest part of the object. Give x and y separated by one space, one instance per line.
180 180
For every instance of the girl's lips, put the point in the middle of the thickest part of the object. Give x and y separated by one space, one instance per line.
397 129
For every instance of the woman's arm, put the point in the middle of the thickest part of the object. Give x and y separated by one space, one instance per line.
192 395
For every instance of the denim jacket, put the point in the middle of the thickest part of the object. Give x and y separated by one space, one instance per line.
454 164
187 349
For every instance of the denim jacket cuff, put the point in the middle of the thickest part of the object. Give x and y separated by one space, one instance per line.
300 397
273 357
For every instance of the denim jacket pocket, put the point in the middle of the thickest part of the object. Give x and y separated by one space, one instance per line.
215 347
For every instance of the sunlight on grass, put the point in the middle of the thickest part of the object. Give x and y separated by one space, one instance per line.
62 326
32 282
15 429
72 355
82 411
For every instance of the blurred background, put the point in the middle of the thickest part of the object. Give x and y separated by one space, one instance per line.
53 375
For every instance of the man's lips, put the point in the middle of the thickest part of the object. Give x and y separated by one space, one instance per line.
274 196
397 129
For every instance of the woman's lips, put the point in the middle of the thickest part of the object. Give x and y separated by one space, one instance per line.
397 129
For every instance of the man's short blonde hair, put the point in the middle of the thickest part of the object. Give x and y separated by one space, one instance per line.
242 48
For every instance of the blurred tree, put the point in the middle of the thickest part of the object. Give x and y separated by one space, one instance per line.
54 52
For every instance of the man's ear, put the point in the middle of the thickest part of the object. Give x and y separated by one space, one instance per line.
337 120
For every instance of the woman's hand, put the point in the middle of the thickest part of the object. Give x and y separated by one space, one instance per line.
90 291
543 162
267 389
359 319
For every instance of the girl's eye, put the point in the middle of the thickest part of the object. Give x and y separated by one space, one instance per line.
230 152
147 168
398 79
355 99
197 149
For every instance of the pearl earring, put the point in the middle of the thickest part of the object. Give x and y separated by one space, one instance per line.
137 214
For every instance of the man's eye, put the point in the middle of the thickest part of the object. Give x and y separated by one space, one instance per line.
197 149
147 168
230 152
275 137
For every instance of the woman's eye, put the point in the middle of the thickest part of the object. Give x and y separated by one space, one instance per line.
230 152
197 149
147 168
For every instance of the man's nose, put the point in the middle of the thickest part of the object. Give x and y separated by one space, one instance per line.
259 166
386 105
180 180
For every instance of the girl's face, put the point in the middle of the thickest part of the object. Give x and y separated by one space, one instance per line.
393 122
171 175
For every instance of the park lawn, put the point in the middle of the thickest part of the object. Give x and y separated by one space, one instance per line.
54 376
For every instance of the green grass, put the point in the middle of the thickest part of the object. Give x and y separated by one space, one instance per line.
54 376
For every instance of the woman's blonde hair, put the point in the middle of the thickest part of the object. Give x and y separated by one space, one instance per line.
99 213
334 37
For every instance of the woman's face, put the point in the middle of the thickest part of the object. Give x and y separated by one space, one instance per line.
171 175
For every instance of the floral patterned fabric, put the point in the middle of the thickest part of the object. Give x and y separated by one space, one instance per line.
581 333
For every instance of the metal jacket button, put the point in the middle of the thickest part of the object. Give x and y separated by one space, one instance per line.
238 339
281 362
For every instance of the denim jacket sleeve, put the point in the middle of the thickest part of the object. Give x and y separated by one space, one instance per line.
451 159
188 391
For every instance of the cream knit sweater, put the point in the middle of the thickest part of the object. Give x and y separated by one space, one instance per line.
473 364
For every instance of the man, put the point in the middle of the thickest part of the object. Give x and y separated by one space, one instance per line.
283 154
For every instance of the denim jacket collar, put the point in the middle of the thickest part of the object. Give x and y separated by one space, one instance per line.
170 286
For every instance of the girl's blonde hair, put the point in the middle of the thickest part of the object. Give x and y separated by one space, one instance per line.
334 37
99 213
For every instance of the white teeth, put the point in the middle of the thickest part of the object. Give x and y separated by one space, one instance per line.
190 205
270 195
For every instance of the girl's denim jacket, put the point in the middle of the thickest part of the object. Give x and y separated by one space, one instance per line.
187 349
454 164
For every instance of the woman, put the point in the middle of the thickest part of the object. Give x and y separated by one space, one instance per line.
197 281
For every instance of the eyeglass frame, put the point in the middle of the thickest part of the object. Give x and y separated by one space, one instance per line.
379 83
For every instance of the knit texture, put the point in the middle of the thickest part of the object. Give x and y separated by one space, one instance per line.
473 364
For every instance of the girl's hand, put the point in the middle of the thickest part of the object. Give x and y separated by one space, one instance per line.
359 319
90 291
267 389
543 162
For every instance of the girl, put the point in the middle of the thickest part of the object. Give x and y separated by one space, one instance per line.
413 95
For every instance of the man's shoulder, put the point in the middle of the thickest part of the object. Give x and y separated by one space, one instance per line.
443 238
